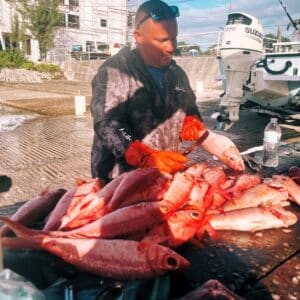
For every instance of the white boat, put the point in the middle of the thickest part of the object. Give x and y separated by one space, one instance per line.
254 79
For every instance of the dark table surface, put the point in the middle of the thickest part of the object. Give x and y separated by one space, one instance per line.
258 265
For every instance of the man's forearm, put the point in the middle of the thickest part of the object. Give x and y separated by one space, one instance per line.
115 136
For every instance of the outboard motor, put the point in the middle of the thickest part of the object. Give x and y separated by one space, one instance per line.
241 48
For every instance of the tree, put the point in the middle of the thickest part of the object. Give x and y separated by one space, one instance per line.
181 48
271 38
17 33
43 20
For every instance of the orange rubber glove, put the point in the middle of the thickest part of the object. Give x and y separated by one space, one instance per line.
192 129
139 155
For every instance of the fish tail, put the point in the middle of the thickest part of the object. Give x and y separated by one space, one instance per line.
18 229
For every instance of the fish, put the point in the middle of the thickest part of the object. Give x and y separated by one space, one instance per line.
225 150
214 176
118 259
178 192
290 185
82 197
228 183
94 209
121 222
85 188
36 209
90 207
242 183
54 219
196 170
153 192
197 195
294 173
217 200
260 194
172 197
253 219
134 186
178 229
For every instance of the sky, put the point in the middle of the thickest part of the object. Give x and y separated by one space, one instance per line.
200 20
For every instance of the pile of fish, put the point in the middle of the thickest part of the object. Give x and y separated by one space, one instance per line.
130 227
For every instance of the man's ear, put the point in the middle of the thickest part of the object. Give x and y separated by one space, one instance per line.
138 37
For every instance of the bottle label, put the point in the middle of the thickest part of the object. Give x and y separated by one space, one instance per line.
271 137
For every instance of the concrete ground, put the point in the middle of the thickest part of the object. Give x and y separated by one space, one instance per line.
51 98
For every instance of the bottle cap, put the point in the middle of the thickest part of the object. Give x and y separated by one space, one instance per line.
274 119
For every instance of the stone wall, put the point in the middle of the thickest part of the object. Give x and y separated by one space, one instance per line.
22 75
199 69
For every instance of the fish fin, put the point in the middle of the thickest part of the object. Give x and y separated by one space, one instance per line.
44 191
80 181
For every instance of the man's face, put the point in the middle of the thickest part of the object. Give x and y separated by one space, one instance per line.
157 41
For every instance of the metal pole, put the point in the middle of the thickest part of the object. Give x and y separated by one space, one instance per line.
290 18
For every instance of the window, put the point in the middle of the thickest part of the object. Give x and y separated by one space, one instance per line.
74 2
103 23
90 46
7 42
76 48
102 47
236 18
74 5
73 21
27 46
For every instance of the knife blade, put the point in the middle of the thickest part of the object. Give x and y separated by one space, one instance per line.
197 143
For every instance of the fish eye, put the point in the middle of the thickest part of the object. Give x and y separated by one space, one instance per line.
172 262
195 214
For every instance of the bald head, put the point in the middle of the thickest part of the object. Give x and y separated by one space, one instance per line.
155 9
156 32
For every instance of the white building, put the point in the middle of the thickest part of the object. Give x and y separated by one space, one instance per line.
89 26
7 14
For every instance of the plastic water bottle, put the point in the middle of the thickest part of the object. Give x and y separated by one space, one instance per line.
272 136
15 287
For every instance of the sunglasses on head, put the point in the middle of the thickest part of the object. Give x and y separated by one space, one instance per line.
159 15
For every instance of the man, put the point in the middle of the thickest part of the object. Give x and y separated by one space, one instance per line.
143 105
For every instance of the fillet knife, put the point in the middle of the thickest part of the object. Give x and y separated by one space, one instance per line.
197 143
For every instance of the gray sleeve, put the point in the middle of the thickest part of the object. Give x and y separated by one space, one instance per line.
109 106
192 108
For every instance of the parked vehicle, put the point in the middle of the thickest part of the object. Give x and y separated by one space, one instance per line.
95 50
